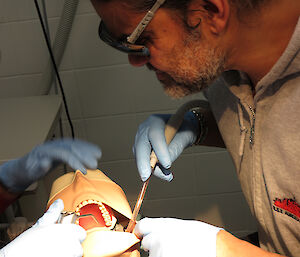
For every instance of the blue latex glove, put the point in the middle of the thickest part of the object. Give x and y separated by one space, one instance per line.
18 174
48 239
168 237
151 135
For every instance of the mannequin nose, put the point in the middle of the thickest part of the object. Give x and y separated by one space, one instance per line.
137 60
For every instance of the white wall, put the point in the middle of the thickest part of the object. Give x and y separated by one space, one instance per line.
107 100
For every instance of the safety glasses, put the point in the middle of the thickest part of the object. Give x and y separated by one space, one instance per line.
128 46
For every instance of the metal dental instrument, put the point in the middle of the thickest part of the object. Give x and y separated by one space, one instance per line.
67 217
171 128
137 207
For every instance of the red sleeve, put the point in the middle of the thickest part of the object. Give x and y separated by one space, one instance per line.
6 198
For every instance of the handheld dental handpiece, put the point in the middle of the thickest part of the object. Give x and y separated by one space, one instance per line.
171 129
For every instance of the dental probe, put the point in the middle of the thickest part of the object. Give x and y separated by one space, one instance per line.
171 128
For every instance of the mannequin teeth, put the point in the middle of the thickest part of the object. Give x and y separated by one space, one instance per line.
109 220
113 223
86 202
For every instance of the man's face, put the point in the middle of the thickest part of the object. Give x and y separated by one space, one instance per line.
185 62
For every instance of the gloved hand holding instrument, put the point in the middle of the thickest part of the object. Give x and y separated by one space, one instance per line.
181 130
47 238
168 237
185 131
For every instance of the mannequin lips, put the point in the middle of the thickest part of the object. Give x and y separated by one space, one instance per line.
94 214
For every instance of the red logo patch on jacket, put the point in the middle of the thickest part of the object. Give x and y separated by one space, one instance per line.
288 207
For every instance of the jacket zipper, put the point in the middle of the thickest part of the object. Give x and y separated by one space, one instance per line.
252 125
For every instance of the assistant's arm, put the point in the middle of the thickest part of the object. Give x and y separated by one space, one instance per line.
6 198
229 246
16 175
169 237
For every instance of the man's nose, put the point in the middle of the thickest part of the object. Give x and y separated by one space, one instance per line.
137 60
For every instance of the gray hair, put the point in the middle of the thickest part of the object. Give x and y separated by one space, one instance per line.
144 5
180 6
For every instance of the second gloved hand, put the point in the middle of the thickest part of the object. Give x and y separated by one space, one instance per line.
18 174
168 237
48 239
151 135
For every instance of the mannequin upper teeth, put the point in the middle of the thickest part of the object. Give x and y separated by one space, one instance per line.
105 214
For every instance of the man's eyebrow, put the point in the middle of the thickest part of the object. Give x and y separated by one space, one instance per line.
147 33
124 37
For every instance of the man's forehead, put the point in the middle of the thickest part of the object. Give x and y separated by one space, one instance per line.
118 17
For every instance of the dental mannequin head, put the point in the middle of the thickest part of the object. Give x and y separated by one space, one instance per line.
99 205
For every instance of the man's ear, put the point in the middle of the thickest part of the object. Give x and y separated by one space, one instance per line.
215 13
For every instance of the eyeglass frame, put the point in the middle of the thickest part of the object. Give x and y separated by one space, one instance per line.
129 46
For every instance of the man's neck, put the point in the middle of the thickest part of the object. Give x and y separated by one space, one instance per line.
258 41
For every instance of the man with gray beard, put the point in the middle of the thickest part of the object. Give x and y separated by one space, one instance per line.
245 56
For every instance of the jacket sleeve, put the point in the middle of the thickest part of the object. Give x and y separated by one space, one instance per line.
6 198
